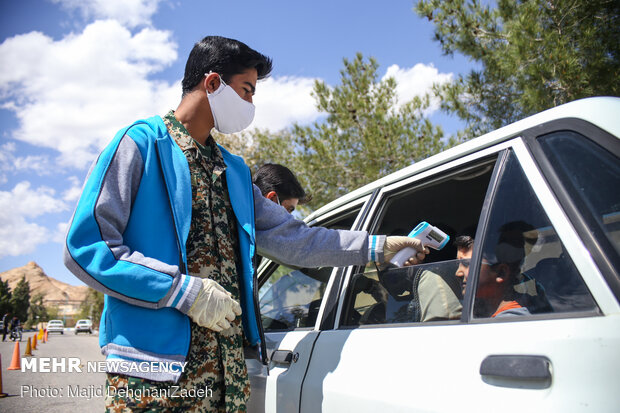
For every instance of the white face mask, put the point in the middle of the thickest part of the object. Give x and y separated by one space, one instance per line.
231 113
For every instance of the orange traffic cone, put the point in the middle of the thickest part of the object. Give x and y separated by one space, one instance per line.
34 342
40 335
16 361
2 394
46 337
28 351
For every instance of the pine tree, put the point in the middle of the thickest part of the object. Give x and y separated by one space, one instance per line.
530 55
365 136
5 298
92 307
20 299
36 311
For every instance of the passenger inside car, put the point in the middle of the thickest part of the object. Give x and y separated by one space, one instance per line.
436 295
419 293
500 271
464 248
432 291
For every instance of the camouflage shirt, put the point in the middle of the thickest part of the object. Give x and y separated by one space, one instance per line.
212 252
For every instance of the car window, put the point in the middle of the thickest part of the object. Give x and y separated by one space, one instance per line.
420 293
431 291
524 268
290 298
590 174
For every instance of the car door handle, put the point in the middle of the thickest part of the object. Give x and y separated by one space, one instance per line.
518 367
282 356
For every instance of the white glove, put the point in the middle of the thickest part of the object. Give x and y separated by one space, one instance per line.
396 243
214 307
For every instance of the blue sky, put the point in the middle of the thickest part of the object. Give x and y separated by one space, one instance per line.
73 72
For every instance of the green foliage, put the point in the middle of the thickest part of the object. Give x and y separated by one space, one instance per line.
53 313
532 55
20 299
238 143
5 298
36 311
364 137
92 307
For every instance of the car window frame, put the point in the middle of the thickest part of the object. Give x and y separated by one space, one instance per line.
550 205
604 254
573 243
554 214
268 266
328 312
380 202
483 223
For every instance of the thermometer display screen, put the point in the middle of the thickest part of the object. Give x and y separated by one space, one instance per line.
434 235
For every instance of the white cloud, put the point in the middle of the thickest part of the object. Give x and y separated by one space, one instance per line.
38 163
11 163
27 202
72 95
416 81
282 101
18 234
60 233
20 237
73 193
7 152
130 13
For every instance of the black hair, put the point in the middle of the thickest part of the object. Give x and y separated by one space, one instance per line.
224 56
464 242
278 178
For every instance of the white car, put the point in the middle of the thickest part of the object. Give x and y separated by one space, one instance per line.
56 326
541 198
84 326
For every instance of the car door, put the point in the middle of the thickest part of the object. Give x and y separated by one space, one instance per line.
555 349
291 302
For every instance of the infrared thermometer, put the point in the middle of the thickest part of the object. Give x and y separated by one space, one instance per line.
430 236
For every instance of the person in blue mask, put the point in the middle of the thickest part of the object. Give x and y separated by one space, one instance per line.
167 226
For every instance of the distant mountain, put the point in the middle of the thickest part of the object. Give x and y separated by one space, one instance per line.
40 282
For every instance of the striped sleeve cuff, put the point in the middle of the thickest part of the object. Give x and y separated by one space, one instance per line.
185 293
375 247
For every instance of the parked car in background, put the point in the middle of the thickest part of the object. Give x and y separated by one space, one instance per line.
541 198
84 326
56 326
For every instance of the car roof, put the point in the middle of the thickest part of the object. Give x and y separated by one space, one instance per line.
55 321
600 111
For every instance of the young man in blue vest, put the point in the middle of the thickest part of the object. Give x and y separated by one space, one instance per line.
167 226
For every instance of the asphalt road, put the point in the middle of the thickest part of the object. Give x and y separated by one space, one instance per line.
54 391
